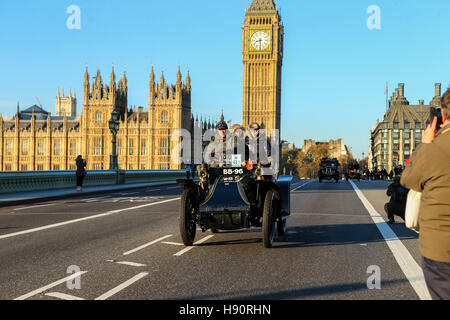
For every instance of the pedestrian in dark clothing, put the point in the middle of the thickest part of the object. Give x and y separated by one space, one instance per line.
384 174
81 171
391 175
397 204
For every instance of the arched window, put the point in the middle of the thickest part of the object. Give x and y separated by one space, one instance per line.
98 116
165 117
164 147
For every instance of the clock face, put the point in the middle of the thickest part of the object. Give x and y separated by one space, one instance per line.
260 40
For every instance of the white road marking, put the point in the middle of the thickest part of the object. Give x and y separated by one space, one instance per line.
10 235
409 266
133 264
301 186
63 296
173 243
124 285
146 245
192 247
51 285
39 206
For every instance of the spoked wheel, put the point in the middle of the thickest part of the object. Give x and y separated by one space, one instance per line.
281 227
269 219
187 221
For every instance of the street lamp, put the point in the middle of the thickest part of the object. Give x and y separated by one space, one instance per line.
114 127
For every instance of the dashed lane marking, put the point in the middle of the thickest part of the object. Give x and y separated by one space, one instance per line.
146 245
63 296
51 285
128 263
192 247
301 186
173 243
409 266
122 286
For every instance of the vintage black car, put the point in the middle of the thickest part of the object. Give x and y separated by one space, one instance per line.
329 169
234 197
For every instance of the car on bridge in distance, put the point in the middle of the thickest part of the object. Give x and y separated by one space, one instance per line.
234 196
329 169
353 172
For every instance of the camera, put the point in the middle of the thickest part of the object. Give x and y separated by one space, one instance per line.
436 112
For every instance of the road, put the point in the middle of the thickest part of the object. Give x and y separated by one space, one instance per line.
126 245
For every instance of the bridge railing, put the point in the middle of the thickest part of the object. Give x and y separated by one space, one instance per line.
22 181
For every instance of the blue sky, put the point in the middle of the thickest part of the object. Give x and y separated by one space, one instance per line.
334 73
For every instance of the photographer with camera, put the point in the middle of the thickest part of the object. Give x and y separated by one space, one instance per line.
428 172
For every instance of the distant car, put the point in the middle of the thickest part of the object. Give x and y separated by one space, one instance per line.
329 169
353 172
234 197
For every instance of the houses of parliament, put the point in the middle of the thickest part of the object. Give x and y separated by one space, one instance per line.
34 140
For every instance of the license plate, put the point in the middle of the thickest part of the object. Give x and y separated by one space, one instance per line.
236 161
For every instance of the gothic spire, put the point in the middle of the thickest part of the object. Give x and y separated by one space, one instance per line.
179 75
98 78
112 78
152 75
262 5
86 75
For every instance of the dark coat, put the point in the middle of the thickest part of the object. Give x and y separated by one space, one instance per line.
81 164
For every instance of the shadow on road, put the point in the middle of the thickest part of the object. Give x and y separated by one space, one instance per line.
300 293
321 235
338 234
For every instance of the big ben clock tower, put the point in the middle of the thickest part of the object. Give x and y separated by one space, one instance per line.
262 51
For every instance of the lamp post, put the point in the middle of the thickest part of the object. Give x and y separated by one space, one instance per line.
114 127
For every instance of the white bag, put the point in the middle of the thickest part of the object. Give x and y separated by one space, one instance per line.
412 210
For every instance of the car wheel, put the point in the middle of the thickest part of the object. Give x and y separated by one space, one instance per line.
281 227
187 222
269 219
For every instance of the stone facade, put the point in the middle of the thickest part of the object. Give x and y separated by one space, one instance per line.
393 140
66 106
262 65
35 140
337 148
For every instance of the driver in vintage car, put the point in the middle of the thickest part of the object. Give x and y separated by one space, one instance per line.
225 145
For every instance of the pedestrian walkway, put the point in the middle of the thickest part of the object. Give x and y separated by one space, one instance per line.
10 199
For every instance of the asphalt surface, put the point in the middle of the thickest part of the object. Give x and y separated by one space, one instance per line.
126 245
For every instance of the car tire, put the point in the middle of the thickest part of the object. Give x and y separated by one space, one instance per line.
269 219
187 223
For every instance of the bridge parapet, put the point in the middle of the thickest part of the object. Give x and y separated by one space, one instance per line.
18 181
